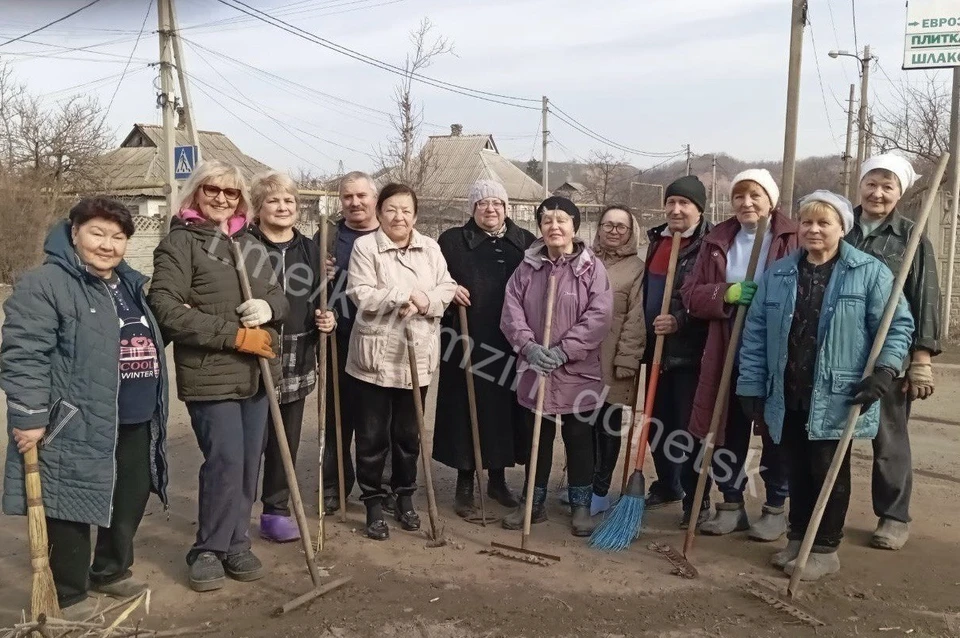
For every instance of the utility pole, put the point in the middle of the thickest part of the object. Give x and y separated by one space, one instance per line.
167 102
862 118
713 191
955 193
847 158
798 20
184 83
689 160
543 163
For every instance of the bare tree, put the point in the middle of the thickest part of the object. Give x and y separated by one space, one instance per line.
607 177
400 156
915 119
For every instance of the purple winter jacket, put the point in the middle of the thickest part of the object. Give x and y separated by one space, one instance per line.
583 311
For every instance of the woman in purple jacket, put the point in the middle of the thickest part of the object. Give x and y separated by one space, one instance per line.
582 314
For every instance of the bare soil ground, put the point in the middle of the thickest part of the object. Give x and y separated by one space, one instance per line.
404 588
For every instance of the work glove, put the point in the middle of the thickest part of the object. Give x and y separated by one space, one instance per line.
623 373
740 293
753 407
540 358
920 377
558 355
869 390
254 341
254 312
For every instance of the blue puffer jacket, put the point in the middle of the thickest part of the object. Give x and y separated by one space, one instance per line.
853 305
59 368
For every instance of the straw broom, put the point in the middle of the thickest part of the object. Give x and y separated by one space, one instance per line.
43 600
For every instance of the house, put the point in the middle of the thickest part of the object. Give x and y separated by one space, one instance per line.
136 172
574 191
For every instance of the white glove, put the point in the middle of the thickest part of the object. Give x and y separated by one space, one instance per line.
255 312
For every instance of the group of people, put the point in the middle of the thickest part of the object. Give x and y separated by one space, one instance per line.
82 362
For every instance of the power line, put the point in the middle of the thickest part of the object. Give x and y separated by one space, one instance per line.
236 23
823 94
50 24
123 75
569 119
836 36
496 98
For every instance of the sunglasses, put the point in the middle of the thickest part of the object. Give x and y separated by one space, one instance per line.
211 191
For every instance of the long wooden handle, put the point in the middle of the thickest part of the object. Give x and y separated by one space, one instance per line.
322 380
538 417
472 406
891 308
278 429
723 393
422 428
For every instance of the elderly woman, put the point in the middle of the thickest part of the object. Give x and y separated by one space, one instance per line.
296 263
398 281
713 293
82 367
616 247
217 339
481 255
582 315
807 338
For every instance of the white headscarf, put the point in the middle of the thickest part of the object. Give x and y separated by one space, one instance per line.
896 165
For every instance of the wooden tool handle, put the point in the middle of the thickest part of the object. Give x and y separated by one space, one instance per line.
422 428
472 406
322 382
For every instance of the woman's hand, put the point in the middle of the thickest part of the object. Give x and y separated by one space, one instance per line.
665 325
254 312
326 321
408 310
330 266
28 439
420 300
462 297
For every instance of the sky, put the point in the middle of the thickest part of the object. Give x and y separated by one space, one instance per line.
652 75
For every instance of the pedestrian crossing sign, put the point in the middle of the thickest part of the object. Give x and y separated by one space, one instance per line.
184 161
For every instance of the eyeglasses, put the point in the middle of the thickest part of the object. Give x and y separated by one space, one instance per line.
495 204
610 227
211 191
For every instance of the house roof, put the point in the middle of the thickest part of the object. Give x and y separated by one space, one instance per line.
571 186
138 167
460 160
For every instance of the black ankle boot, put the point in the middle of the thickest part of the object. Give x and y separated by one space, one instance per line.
409 520
376 527
498 490
463 503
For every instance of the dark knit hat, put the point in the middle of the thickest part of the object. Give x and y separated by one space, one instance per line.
688 186
560 203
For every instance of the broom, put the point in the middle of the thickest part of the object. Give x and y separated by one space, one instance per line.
43 600
622 526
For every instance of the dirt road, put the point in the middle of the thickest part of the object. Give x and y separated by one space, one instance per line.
403 588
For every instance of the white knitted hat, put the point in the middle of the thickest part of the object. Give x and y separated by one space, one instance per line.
761 176
838 202
485 188
893 163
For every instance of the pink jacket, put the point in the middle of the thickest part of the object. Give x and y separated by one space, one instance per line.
583 311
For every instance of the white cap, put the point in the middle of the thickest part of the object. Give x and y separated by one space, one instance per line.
896 165
838 202
761 176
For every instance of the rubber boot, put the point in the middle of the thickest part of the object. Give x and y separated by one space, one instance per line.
771 526
890 534
498 490
730 517
463 503
279 529
702 518
819 564
785 555
580 497
514 520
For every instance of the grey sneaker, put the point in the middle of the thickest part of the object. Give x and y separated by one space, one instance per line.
206 572
890 534
730 517
784 556
818 566
244 566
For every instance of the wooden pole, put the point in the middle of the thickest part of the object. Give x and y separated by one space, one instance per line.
322 344
798 20
472 406
435 533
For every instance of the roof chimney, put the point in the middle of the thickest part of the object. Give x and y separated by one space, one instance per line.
456 130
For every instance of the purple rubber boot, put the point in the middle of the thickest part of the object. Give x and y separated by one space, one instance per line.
279 529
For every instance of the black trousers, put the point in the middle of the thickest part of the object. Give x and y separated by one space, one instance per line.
577 433
69 541
607 438
386 422
275 494
348 417
232 435
671 416
809 463
892 482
